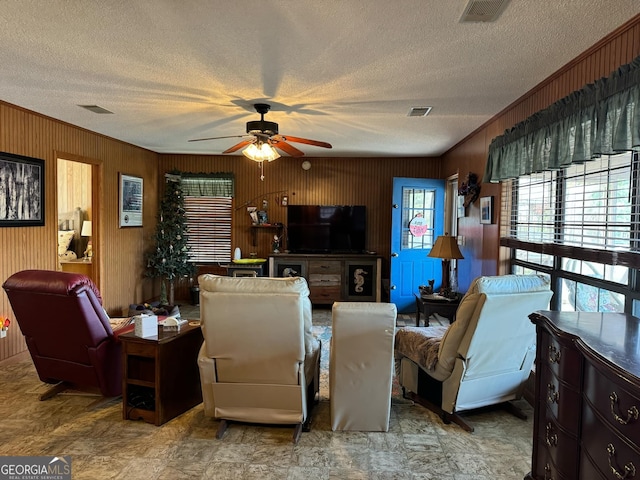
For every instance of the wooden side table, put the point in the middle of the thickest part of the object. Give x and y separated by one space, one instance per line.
160 378
428 305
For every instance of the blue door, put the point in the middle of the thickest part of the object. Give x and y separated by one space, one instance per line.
417 219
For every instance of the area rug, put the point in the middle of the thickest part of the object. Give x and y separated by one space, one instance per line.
324 334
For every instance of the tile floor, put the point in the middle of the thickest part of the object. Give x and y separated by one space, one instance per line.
103 446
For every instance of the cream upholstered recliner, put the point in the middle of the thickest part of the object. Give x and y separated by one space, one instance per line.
259 362
484 357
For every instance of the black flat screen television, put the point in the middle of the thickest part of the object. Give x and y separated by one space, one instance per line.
326 228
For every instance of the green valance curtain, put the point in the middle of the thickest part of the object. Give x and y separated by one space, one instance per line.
207 184
602 118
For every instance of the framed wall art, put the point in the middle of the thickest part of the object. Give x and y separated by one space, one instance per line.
21 191
130 202
486 210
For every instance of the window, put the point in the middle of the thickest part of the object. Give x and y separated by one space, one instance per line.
580 226
209 213
418 203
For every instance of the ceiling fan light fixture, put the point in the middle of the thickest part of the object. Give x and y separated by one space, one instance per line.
261 153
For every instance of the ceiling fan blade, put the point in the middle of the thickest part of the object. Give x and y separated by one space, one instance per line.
215 138
238 146
285 147
288 138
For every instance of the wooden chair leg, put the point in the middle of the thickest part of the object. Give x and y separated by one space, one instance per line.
54 390
458 420
221 429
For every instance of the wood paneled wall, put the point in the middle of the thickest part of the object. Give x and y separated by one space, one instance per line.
329 181
121 250
482 253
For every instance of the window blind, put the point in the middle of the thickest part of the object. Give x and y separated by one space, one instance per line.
209 227
587 211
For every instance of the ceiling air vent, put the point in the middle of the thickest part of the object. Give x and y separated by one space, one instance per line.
483 10
418 111
95 109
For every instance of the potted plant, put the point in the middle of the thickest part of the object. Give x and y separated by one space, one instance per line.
169 259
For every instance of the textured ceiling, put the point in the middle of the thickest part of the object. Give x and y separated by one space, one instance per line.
345 72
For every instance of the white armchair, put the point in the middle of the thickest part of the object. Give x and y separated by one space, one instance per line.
259 362
484 357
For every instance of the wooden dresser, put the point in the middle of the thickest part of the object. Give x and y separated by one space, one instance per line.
587 393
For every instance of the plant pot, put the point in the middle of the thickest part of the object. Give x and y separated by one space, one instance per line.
195 295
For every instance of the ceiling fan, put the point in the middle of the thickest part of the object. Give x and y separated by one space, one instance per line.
264 134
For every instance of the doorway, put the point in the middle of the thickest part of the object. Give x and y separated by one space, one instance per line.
76 203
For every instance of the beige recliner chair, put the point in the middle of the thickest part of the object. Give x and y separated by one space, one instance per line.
361 365
259 362
484 357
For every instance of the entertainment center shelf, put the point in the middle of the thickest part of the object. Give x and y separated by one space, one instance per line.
332 277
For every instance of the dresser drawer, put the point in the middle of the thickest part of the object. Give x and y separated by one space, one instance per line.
325 266
324 294
619 408
562 400
140 349
588 471
564 362
561 445
545 468
324 280
606 448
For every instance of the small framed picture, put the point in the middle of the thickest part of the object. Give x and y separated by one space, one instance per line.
486 210
130 202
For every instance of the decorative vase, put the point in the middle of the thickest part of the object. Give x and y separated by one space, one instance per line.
3 332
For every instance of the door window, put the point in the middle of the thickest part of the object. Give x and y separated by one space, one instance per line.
418 202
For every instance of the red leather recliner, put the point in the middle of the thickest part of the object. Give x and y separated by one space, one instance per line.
67 331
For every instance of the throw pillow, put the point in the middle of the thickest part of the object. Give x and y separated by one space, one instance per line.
64 240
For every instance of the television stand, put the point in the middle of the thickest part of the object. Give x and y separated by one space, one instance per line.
332 277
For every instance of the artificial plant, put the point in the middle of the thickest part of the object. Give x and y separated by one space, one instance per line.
170 257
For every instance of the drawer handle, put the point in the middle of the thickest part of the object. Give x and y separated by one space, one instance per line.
632 413
554 354
551 439
547 472
629 468
552 395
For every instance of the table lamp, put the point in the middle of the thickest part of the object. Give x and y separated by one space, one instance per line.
446 248
86 232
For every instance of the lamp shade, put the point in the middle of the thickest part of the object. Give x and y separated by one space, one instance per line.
261 152
86 229
445 247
